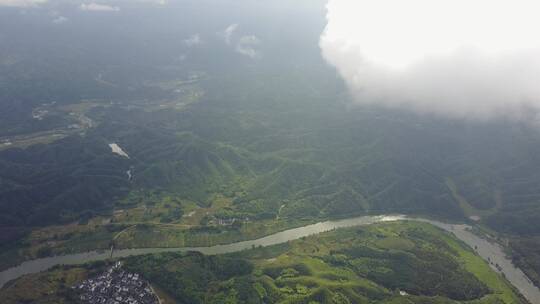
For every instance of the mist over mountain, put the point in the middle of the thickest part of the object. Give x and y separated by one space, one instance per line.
459 59
152 125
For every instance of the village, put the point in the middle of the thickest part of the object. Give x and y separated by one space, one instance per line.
116 286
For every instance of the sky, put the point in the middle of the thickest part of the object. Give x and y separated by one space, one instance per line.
472 59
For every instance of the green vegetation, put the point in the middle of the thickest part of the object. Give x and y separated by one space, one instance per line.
361 265
525 252
51 287
215 137
404 262
255 161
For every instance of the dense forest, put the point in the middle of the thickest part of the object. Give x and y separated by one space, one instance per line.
215 136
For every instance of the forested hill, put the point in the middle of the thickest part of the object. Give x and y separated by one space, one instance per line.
283 142
232 115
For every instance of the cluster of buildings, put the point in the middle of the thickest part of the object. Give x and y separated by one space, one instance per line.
116 286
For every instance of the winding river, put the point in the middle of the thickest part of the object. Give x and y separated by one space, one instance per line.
484 248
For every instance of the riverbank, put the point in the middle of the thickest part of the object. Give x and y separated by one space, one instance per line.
73 239
490 252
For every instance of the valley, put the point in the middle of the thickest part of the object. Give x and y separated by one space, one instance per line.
312 254
492 253
232 152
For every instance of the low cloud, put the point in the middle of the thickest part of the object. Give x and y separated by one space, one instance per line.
160 2
246 46
21 3
228 32
60 20
156 2
462 59
193 40
99 7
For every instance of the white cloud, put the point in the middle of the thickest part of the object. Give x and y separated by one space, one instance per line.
246 46
99 7
467 59
60 20
159 2
21 3
193 40
228 32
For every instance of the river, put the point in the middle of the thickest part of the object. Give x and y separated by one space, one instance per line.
484 248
